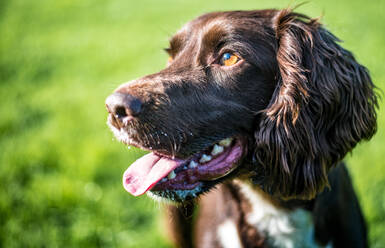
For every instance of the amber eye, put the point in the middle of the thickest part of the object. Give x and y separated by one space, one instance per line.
229 59
169 60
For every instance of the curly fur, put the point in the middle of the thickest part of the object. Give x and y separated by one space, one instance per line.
324 104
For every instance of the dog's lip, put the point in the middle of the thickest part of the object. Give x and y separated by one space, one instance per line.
217 168
151 171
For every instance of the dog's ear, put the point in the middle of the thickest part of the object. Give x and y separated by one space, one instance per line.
323 105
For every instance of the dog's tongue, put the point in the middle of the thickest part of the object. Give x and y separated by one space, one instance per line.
145 172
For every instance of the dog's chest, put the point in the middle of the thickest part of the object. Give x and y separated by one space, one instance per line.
280 227
238 216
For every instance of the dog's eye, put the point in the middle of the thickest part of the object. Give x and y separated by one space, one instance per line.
169 60
229 59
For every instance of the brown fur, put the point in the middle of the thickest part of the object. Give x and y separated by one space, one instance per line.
297 99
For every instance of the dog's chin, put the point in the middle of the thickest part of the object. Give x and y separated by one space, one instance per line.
171 179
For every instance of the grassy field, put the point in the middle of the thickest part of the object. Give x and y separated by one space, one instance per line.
60 168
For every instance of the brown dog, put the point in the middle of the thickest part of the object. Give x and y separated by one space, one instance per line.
263 106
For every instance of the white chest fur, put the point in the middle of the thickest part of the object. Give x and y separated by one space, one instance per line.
282 228
228 235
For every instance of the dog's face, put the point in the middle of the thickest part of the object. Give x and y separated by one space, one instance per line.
236 98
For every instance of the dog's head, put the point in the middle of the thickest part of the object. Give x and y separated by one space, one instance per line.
265 95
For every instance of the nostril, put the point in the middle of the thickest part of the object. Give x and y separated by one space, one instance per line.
120 112
123 106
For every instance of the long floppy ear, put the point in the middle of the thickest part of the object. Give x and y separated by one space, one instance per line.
324 104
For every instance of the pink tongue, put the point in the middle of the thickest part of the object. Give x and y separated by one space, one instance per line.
145 172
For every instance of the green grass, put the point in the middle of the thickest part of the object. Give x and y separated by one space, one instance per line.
60 168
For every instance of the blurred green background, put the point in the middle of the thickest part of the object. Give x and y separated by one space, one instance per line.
60 167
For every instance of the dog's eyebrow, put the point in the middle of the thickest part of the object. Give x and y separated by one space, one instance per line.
176 43
214 37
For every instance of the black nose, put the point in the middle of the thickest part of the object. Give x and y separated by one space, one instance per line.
123 106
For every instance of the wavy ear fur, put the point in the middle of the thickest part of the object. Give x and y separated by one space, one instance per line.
324 104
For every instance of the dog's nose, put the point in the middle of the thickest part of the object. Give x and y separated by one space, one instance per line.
123 106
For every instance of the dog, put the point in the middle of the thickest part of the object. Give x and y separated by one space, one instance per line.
247 127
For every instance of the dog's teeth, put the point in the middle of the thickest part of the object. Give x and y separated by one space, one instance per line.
163 180
226 142
171 175
192 164
217 150
205 158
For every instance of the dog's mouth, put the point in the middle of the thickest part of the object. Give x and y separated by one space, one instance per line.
179 179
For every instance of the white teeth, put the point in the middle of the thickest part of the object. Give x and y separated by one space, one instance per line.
171 175
205 158
163 180
192 165
226 142
217 150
